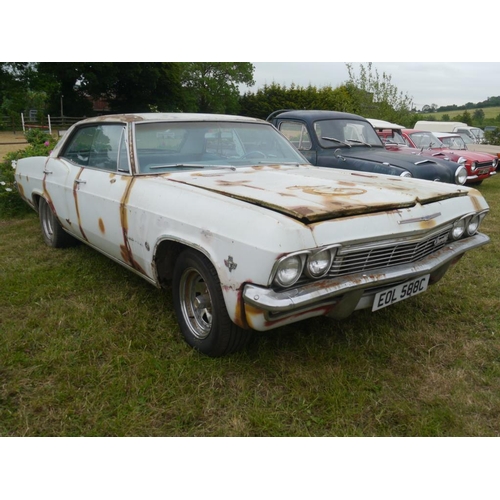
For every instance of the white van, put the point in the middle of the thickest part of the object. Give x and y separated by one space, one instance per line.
475 133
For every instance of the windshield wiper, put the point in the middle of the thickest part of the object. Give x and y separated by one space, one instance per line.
360 142
336 140
192 165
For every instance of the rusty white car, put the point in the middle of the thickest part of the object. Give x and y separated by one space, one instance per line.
248 233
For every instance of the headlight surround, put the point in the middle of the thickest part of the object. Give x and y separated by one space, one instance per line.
461 175
319 263
458 229
467 225
289 269
473 166
462 161
473 224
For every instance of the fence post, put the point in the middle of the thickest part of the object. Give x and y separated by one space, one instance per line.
22 121
50 126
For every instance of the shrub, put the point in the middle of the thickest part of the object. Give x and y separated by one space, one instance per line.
39 144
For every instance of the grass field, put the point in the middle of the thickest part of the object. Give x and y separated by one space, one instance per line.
89 349
492 112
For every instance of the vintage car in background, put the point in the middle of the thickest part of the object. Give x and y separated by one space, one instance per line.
480 166
347 141
249 235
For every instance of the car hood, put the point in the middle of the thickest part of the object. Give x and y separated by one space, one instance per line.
389 156
469 155
311 194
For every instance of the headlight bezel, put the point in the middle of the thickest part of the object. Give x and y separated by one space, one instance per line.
304 259
330 251
461 170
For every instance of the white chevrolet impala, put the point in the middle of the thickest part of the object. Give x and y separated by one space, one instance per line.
249 235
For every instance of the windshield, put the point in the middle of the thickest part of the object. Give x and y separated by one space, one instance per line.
392 137
345 133
426 140
166 145
454 142
478 133
466 138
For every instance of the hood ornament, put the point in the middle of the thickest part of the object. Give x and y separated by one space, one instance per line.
420 219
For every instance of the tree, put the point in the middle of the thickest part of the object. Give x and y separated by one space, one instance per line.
478 116
377 96
128 87
212 87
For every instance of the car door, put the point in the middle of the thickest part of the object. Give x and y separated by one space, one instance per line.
96 197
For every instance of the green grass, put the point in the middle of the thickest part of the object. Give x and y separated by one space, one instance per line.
89 349
492 113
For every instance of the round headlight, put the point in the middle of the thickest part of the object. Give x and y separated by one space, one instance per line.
458 229
473 166
473 224
406 174
460 175
289 270
319 263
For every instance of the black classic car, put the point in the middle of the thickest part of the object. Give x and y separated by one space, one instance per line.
348 141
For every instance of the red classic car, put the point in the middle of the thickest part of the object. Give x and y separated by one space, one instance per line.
480 166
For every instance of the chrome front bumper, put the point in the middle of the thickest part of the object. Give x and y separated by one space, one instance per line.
352 292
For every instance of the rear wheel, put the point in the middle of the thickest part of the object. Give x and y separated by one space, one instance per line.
200 307
53 233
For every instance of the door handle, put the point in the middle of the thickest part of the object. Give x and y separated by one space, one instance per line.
79 181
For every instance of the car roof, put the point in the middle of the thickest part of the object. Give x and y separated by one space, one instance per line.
160 117
446 134
313 114
384 124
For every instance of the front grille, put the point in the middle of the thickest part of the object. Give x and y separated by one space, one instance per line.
351 260
484 164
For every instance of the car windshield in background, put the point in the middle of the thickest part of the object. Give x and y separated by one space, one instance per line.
394 137
346 133
453 142
166 145
426 140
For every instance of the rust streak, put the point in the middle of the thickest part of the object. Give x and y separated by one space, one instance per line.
101 226
125 250
75 196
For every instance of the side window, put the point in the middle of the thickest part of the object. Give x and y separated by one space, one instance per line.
296 133
101 146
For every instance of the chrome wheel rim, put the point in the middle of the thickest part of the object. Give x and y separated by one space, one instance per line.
47 222
196 303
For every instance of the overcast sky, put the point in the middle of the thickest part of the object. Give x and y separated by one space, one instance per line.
429 83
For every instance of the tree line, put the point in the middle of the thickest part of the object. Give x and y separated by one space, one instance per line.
71 88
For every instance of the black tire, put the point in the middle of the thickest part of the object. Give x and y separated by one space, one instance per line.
53 233
200 308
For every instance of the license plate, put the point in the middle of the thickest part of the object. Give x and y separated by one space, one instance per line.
400 292
482 171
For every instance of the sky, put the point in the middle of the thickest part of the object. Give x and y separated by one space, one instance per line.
440 83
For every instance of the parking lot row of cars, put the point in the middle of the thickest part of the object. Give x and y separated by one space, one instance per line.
247 230
342 140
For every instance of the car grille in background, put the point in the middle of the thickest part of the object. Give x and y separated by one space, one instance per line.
483 164
350 260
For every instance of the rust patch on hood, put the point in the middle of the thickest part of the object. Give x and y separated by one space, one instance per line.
310 195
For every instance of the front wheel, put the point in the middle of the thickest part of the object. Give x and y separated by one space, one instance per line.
200 307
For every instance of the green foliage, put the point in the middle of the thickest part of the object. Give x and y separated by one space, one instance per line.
377 96
212 87
493 137
40 144
478 117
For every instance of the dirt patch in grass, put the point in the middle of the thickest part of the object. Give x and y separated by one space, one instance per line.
10 141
